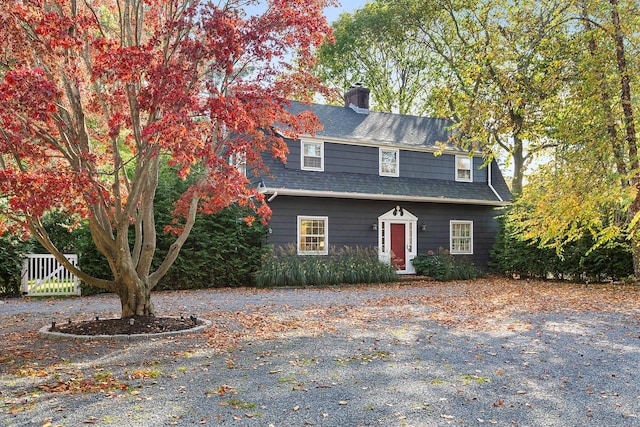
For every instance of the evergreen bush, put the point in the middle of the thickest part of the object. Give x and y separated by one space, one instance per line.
443 266
222 250
579 261
12 252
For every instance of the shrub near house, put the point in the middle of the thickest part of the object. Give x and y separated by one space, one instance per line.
443 266
342 266
579 260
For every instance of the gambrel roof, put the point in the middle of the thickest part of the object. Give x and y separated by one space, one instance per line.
345 123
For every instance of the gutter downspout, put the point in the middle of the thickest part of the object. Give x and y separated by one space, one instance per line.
272 197
490 183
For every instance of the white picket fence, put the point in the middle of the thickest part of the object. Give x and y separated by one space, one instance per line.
43 275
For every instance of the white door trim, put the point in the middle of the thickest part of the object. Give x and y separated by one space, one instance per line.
398 215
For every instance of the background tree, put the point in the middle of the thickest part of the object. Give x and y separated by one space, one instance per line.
95 93
499 69
223 250
590 186
489 66
371 46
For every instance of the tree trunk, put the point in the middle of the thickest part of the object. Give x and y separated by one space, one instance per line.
629 124
518 166
633 210
135 299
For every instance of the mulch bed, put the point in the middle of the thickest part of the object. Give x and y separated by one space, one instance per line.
140 325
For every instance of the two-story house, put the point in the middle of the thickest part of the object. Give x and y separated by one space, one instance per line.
373 179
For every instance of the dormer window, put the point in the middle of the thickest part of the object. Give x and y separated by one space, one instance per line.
389 162
464 171
312 156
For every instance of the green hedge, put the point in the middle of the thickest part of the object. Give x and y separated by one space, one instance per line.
221 251
514 257
12 251
347 265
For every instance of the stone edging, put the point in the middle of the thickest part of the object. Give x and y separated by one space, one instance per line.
45 332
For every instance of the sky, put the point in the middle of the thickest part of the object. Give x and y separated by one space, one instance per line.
332 13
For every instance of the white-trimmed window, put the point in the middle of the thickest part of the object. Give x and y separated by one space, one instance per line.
239 160
312 156
461 233
312 235
389 162
464 169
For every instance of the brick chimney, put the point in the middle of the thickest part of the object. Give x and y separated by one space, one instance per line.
357 98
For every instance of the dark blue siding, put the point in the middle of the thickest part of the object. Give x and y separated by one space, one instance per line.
293 158
349 222
365 160
350 158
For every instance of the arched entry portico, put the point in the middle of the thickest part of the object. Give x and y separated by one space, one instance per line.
397 239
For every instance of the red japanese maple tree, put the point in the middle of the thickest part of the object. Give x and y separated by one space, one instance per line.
95 94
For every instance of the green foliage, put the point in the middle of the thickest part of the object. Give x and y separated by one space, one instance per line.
90 260
12 251
222 250
346 265
61 232
373 46
443 266
581 259
513 256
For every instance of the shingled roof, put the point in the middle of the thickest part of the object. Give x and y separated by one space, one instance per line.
372 187
380 128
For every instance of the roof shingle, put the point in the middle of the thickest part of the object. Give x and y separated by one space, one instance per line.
380 128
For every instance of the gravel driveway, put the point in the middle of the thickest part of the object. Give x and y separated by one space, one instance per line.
363 356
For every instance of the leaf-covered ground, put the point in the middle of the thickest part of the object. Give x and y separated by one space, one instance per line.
489 352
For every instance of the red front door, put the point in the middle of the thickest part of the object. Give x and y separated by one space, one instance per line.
397 246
